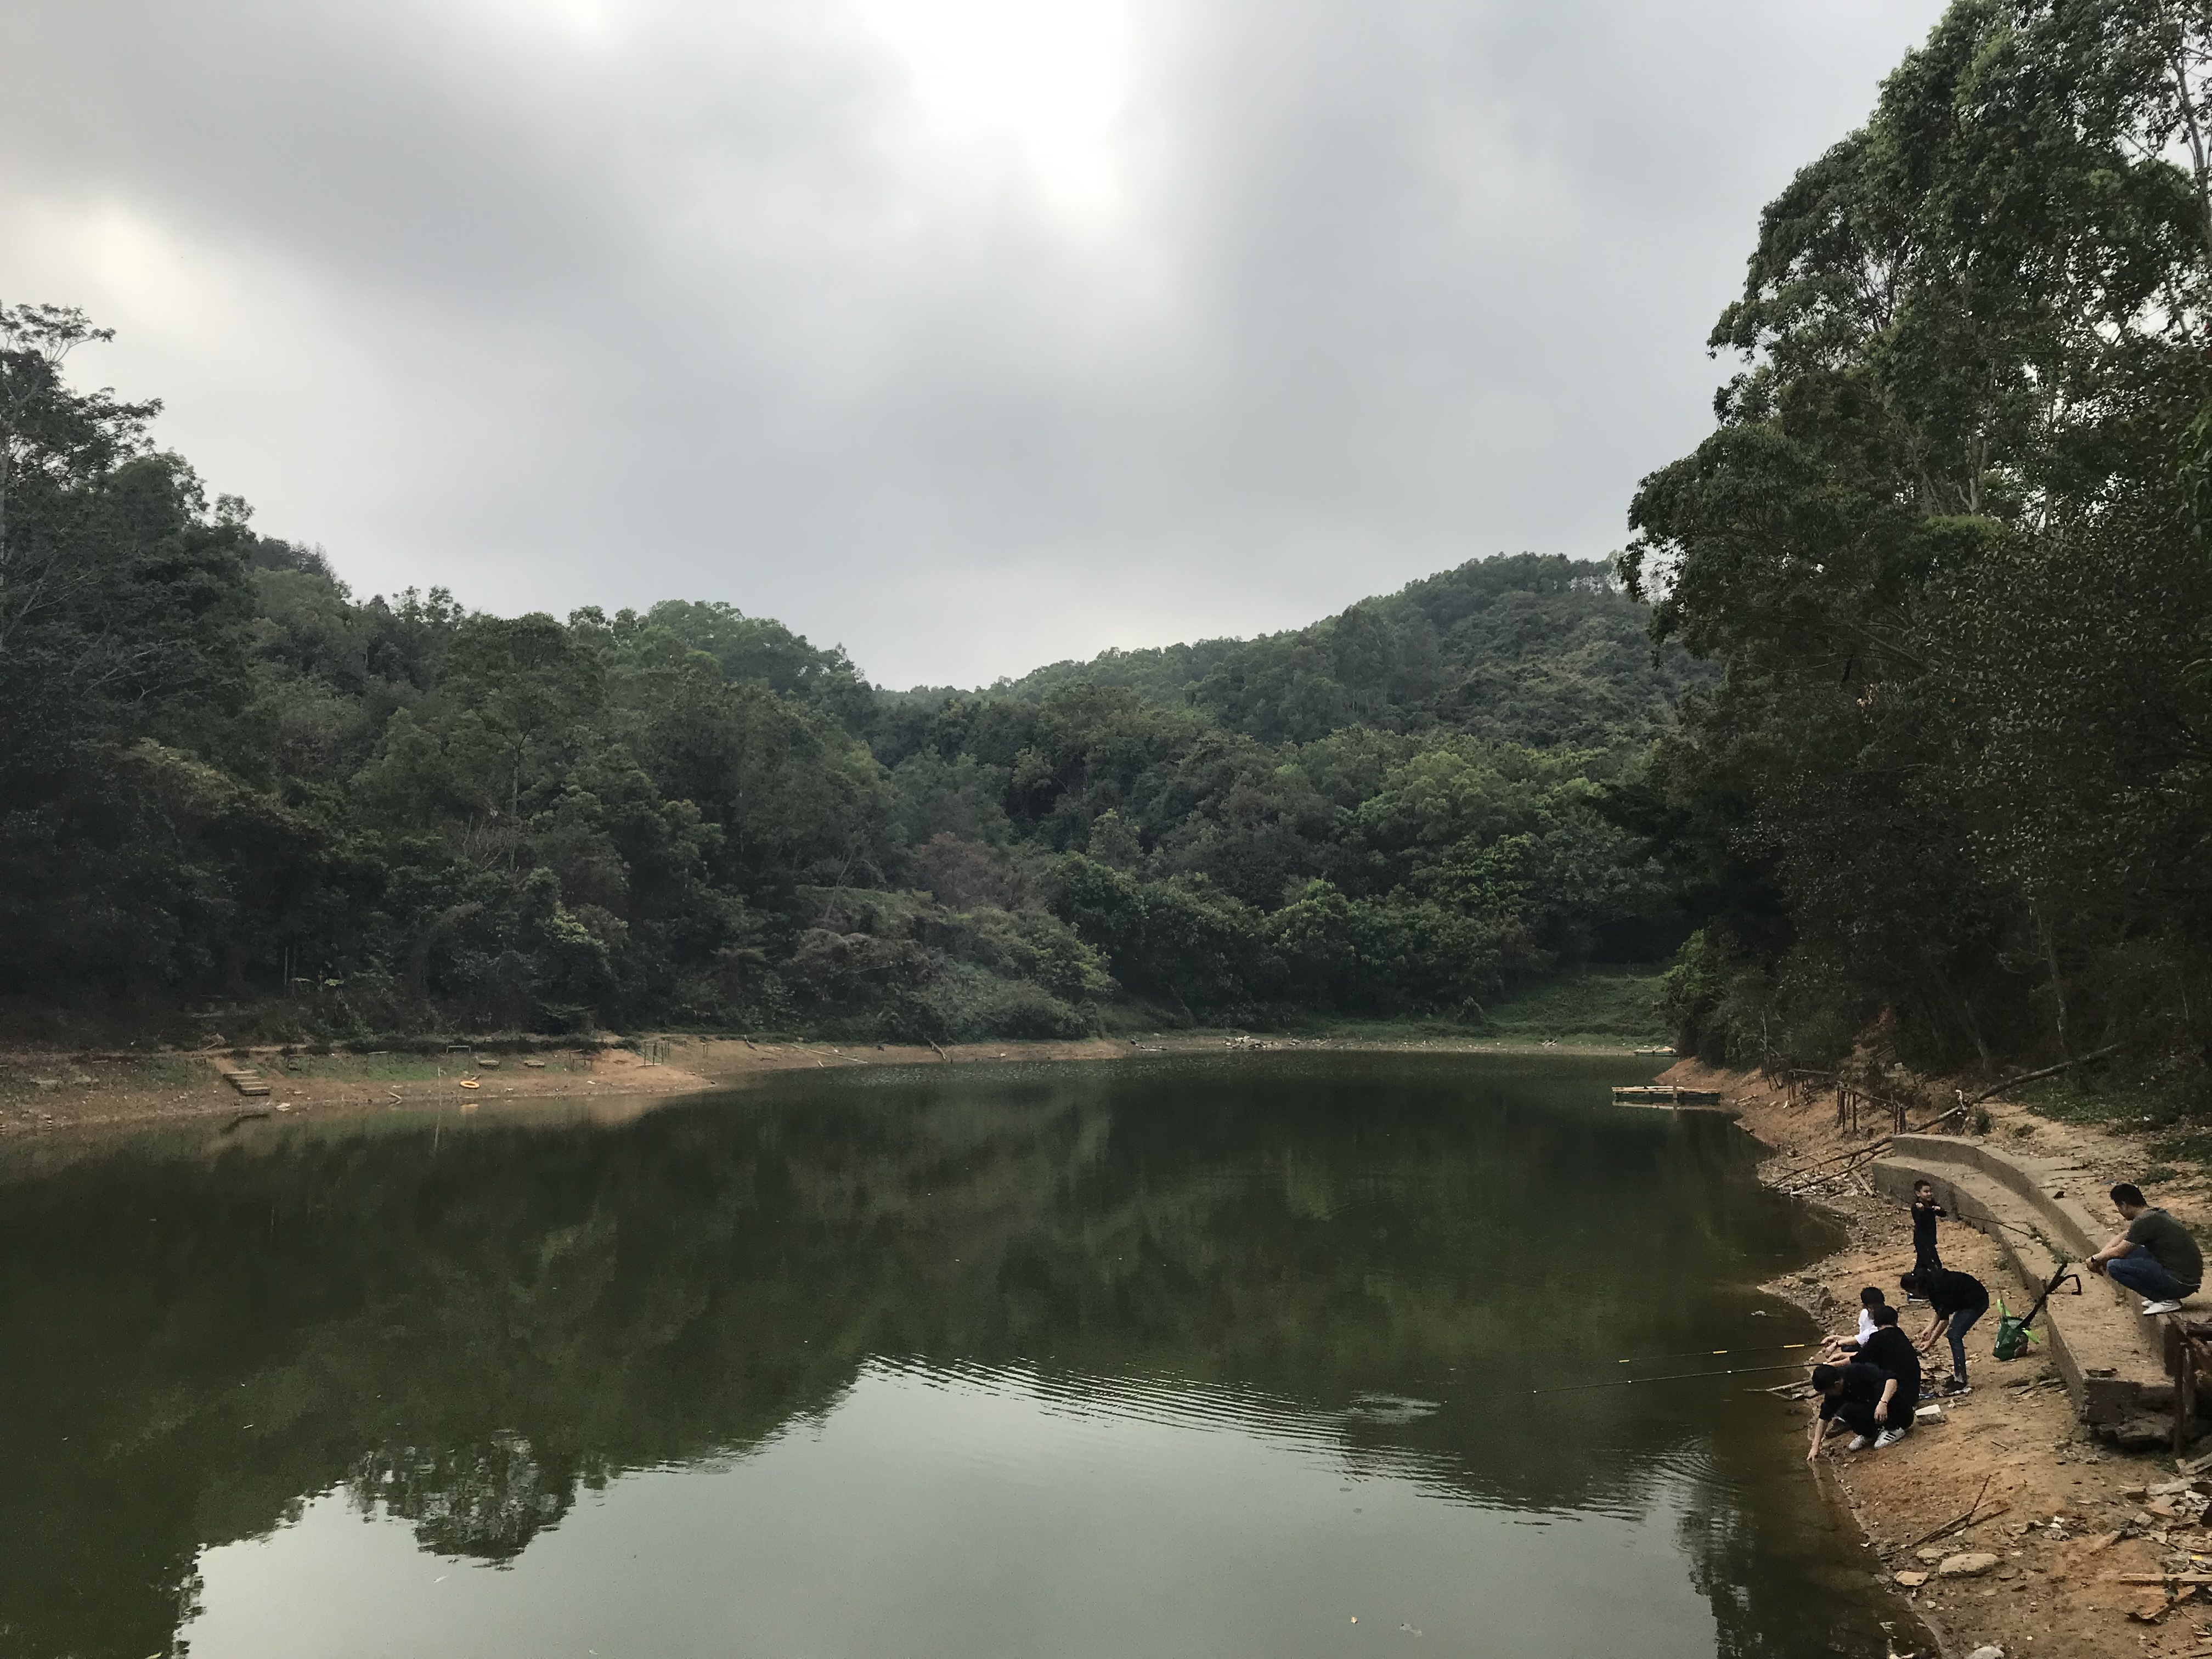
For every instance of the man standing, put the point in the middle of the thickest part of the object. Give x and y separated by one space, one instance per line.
2155 1257
1890 1351
1856 1395
1957 1300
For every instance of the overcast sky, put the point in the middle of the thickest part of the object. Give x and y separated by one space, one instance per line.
969 333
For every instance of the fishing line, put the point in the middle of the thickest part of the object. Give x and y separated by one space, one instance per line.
1677 1377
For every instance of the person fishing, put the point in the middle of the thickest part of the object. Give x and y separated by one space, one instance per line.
1870 1299
1860 1397
1890 1350
1956 1300
2155 1257
1925 1210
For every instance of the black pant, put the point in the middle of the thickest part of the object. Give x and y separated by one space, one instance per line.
1857 1416
1924 1259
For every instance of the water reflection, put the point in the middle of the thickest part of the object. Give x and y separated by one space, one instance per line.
1251 1337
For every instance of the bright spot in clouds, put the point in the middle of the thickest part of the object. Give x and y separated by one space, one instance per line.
1047 76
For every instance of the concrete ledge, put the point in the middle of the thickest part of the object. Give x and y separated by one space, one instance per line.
2058 1192
2074 1211
2111 1357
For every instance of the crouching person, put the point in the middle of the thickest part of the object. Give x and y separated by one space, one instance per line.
2155 1257
1857 1396
1890 1351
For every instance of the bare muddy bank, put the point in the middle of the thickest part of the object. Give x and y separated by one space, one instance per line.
45 1091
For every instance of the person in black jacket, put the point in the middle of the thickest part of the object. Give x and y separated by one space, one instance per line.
1925 1210
1890 1350
1957 1300
1859 1396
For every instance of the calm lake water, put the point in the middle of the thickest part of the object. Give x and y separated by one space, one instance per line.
1206 1358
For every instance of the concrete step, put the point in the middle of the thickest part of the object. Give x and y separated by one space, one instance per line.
244 1079
2111 1357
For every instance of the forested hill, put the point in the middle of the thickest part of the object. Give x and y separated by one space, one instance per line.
1529 649
225 777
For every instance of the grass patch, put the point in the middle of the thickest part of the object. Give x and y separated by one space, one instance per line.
2127 1104
2191 1146
167 1072
1609 1007
2167 1119
1604 1005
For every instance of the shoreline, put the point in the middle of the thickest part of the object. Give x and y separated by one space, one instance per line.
2072 1515
125 1090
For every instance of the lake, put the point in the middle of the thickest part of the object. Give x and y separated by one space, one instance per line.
1212 1357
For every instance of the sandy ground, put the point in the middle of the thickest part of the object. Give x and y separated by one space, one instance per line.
2075 1512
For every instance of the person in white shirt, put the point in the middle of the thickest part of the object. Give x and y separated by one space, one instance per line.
1870 1298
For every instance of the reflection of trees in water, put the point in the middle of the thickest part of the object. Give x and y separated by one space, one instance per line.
1733 1542
486 1500
468 1327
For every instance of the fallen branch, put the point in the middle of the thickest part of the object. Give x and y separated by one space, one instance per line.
1966 1104
1964 1519
1863 1155
1855 1151
2158 1579
2031 1077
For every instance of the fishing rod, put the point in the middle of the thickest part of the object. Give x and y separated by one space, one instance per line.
1703 1353
1677 1377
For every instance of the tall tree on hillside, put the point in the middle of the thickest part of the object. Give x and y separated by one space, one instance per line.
123 606
1941 543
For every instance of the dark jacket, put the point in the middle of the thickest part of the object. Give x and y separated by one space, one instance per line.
1890 1350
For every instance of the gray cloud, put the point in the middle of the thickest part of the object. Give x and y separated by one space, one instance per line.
854 318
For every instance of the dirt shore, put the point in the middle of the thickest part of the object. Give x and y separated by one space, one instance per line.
44 1092
2074 1514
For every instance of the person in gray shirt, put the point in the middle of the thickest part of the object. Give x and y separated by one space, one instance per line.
2155 1257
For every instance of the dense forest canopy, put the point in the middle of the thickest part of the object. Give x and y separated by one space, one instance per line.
1542 651
226 775
1948 545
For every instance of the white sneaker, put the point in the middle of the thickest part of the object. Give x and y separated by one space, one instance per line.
1888 1438
2161 1307
1858 1444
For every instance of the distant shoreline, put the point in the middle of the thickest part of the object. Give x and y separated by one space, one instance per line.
121 1090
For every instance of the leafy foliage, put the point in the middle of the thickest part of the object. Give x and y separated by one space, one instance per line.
1946 545
231 778
1529 649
